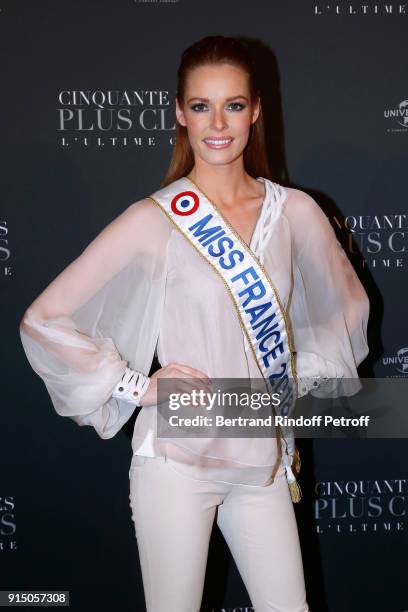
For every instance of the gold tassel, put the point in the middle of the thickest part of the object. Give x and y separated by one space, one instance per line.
295 491
296 461
294 487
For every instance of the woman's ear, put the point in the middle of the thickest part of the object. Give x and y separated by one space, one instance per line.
256 109
180 114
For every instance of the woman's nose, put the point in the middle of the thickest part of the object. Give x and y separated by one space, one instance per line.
218 119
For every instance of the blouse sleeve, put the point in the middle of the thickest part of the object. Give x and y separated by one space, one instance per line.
329 309
90 323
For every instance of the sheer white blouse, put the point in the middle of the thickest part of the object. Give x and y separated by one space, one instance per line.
139 285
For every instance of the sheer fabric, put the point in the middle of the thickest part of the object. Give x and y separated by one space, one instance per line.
139 284
100 314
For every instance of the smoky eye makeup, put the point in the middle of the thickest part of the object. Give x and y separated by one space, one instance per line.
237 106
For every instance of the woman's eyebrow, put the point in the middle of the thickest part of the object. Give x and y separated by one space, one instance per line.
207 100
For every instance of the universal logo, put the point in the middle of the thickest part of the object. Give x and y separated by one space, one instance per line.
399 361
116 119
361 506
5 268
397 118
7 524
347 8
380 240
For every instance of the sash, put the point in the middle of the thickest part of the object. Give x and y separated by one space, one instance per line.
256 301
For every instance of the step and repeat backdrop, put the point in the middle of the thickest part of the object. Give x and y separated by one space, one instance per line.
87 128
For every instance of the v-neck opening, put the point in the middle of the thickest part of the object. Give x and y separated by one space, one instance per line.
263 204
265 197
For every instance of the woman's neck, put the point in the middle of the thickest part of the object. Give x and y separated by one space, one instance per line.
225 185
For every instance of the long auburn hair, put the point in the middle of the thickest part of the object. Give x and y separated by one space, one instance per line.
218 50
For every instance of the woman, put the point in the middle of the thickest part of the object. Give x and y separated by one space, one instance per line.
145 284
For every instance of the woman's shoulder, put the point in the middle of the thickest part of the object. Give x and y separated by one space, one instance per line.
151 206
300 207
308 222
294 201
143 207
145 211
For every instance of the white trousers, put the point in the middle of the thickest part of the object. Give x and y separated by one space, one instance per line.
173 517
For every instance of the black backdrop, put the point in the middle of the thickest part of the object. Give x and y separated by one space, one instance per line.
336 103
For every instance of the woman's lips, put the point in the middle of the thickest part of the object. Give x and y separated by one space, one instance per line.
218 143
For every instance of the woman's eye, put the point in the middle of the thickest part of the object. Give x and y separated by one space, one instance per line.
196 108
199 107
237 105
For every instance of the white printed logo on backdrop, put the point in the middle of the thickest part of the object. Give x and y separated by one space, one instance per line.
397 118
140 119
349 9
397 362
361 506
235 609
375 240
5 267
7 524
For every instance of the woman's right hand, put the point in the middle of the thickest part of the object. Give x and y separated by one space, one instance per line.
185 380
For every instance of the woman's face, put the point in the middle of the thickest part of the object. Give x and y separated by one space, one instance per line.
217 112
